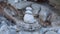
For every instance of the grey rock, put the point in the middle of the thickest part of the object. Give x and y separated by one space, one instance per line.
28 27
12 31
58 31
50 32
36 8
20 5
4 29
4 21
36 32
44 13
10 11
24 32
3 0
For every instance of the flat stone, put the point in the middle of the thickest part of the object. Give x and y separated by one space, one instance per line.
50 32
4 29
24 32
36 8
36 32
20 5
45 11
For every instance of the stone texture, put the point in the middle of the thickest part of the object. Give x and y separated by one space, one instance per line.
36 32
36 9
28 17
10 11
55 20
58 31
55 3
50 32
30 27
20 5
24 32
23 28
45 11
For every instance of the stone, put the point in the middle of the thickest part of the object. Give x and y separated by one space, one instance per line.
56 24
45 13
10 11
4 21
55 3
55 20
28 17
58 31
24 32
36 9
50 32
3 0
16 1
4 29
36 32
12 31
20 5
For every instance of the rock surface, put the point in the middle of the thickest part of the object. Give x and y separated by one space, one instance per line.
50 32
8 27
36 9
20 5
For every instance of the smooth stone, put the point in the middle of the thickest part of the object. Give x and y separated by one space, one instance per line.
45 11
36 32
50 32
36 8
24 32
4 29
58 31
20 5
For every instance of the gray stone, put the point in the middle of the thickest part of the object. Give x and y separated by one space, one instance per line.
24 32
10 11
36 8
20 5
45 11
36 32
4 29
4 21
58 31
3 0
12 31
50 32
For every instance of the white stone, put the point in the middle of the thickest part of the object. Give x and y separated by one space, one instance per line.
36 32
58 31
28 8
28 17
28 12
16 1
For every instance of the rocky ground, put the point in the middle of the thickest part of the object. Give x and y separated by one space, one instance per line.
9 27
